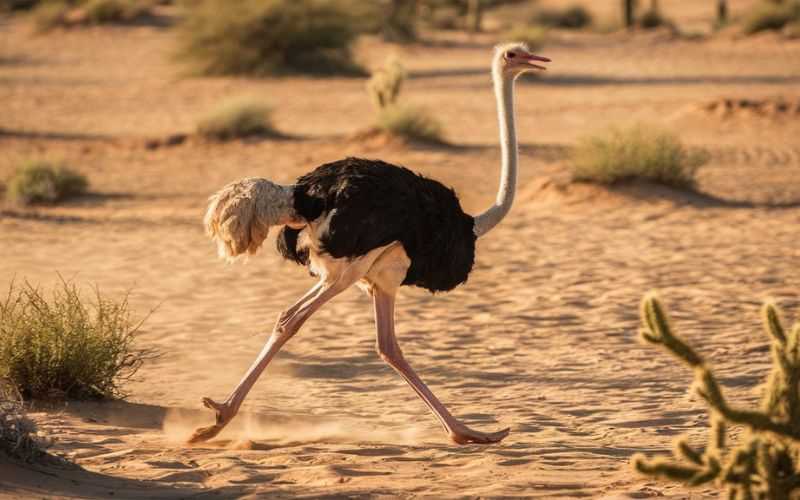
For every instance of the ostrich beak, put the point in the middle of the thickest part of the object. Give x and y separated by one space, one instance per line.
528 59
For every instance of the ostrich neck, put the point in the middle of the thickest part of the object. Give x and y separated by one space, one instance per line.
504 91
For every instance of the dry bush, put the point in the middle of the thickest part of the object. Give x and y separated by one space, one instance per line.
237 119
652 18
534 37
771 16
267 37
412 123
39 181
574 17
636 153
64 348
17 432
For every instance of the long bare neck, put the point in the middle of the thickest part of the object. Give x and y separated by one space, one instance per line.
504 91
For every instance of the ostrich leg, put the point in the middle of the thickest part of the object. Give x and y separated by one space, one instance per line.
389 350
340 277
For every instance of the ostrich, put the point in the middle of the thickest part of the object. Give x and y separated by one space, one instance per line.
371 224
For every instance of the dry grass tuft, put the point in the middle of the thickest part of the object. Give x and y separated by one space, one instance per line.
636 153
268 37
38 181
411 123
64 348
237 119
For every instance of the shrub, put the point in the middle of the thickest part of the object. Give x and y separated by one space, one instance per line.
764 464
533 36
652 19
265 37
49 15
7 5
771 16
636 153
45 182
68 13
64 348
237 119
575 17
412 123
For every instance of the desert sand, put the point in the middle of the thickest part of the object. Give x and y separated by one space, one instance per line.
543 336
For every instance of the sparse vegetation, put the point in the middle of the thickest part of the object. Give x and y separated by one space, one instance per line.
403 121
636 153
64 348
574 17
17 431
268 37
410 122
533 36
237 119
772 16
764 464
652 18
45 182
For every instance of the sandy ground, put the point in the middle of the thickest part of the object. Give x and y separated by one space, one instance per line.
541 339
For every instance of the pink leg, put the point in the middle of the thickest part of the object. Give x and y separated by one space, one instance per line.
389 350
289 322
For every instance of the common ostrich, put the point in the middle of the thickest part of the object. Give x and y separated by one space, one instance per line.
371 224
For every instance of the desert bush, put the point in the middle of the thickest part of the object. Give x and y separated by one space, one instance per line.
44 182
412 123
266 37
764 463
533 36
237 119
17 431
63 347
636 153
771 16
50 15
10 5
575 17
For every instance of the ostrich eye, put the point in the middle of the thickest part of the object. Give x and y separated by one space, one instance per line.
510 55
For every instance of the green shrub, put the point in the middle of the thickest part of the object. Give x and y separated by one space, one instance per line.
575 17
412 123
63 348
237 119
533 36
764 463
635 153
267 37
17 431
45 182
771 16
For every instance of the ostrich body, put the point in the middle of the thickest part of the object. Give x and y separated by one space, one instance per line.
371 224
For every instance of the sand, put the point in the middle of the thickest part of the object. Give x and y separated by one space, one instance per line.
542 338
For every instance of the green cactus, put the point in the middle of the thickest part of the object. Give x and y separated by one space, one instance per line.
763 464
385 85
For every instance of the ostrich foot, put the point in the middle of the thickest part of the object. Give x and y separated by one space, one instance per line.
224 414
464 435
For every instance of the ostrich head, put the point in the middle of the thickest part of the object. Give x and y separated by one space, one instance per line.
513 59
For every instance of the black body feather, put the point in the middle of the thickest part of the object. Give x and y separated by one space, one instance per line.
377 203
